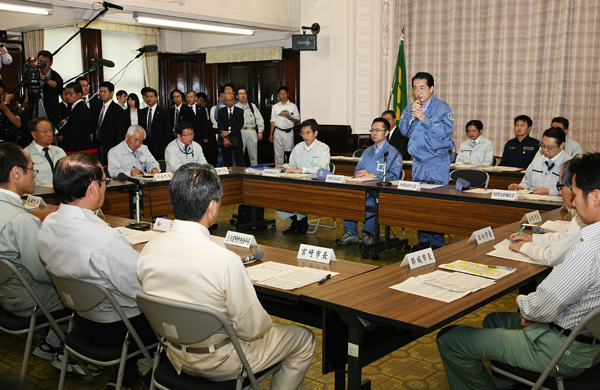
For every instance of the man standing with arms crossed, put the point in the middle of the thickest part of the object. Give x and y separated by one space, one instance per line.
429 124
283 122
253 122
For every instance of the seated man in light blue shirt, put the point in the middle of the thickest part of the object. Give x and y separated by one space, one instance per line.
371 166
477 150
307 157
131 156
42 152
183 149
572 147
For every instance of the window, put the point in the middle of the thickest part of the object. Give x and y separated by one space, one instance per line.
118 47
67 62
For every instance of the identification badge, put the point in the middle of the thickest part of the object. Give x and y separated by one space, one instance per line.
380 167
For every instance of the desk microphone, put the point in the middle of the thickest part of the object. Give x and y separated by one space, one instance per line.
123 177
254 256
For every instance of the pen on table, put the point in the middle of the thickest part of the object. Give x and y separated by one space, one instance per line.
324 279
518 234
501 267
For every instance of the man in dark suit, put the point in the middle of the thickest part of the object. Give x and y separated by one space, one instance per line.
395 138
77 133
200 119
110 122
230 122
180 111
157 123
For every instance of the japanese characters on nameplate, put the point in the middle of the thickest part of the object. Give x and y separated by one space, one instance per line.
162 224
222 171
335 179
409 185
240 239
505 195
532 217
163 176
272 172
33 202
316 253
482 235
419 258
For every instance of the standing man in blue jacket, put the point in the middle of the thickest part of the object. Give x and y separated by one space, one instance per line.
429 123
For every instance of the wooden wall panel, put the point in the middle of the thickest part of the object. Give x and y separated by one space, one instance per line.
13 74
91 48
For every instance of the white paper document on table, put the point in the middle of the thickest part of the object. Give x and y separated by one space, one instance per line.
478 191
136 237
546 198
285 277
295 175
556 226
504 253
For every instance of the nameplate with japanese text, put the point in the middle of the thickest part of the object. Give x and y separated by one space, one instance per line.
222 171
240 239
532 217
33 202
482 235
163 176
419 259
316 253
162 224
409 185
272 172
505 195
335 179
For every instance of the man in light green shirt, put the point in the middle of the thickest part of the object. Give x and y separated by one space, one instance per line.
253 123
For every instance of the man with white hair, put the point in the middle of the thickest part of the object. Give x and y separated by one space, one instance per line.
131 156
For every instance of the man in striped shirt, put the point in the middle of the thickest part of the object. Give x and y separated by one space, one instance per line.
530 339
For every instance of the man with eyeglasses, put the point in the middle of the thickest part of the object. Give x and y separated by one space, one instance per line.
371 166
254 126
42 152
543 172
75 243
131 156
183 149
307 157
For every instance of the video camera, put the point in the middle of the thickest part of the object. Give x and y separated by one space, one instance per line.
32 75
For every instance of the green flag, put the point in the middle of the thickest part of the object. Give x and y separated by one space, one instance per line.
400 87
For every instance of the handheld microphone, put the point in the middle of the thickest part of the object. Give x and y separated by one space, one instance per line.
252 257
111 5
103 62
123 177
148 49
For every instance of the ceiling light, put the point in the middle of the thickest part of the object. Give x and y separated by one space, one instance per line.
188 24
30 8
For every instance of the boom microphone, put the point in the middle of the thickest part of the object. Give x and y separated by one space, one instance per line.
148 49
103 62
252 257
111 5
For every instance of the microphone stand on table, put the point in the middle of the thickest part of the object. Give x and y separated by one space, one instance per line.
137 225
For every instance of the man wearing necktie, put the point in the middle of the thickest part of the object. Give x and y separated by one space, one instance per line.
43 154
180 111
110 120
477 150
230 122
157 123
543 172
183 149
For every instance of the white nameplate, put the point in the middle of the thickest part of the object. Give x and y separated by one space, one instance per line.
505 195
316 253
409 185
272 172
163 224
419 259
222 171
163 176
532 217
240 239
335 179
482 235
33 202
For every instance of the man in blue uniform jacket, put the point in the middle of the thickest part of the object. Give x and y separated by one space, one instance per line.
429 123
371 167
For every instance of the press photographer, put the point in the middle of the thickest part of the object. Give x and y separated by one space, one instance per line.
40 76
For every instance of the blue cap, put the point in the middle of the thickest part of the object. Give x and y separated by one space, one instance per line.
322 173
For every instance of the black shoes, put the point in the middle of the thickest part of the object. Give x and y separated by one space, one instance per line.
292 228
298 227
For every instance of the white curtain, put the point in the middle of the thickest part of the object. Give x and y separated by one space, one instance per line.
150 61
493 60
33 42
273 53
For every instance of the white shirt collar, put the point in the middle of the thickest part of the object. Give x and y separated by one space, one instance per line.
74 104
556 157
39 147
308 148
13 194
107 104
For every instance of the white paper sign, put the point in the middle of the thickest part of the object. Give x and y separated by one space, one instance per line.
505 195
163 176
240 239
409 185
272 172
222 171
335 179
532 217
316 253
33 202
163 224
419 259
482 235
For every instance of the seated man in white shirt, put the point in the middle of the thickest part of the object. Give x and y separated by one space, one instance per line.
42 152
550 248
477 150
183 149
185 265
75 243
131 156
543 172
307 157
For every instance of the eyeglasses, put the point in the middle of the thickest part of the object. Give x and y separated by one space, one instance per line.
372 130
35 171
188 135
548 147
105 180
559 186
306 132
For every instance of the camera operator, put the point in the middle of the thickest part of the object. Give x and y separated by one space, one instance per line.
10 119
51 87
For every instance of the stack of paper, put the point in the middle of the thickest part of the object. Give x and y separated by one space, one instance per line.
137 237
443 286
487 271
295 175
556 226
285 277
546 198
